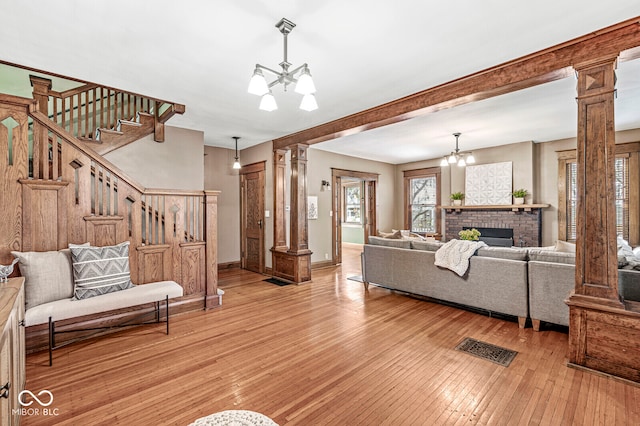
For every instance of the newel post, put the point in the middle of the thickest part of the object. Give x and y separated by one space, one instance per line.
211 253
41 87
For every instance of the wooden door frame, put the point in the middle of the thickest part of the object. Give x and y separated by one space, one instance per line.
370 220
245 170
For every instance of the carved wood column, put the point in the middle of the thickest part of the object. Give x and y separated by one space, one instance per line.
596 247
279 193
293 264
299 231
211 253
603 330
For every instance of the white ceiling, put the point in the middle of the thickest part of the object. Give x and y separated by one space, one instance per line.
362 53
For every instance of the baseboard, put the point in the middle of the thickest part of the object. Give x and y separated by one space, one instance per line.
322 264
228 265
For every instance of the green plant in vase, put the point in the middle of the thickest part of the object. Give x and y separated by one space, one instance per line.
457 198
518 196
469 234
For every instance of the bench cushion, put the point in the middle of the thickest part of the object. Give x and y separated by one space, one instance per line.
71 308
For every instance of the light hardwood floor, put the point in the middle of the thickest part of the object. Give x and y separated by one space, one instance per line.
326 352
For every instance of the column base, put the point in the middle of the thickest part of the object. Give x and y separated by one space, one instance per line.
603 336
291 266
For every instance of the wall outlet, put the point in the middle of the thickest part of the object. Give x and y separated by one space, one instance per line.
326 256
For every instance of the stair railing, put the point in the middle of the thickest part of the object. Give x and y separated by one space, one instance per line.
85 109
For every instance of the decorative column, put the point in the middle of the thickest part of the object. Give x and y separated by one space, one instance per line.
279 192
294 264
211 298
596 247
601 328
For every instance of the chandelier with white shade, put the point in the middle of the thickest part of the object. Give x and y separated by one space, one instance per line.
461 158
301 76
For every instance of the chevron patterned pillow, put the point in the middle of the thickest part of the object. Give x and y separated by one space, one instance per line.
100 270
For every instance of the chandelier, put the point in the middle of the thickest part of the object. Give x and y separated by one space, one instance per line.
462 158
301 76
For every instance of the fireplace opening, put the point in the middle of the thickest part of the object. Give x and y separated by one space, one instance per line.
497 237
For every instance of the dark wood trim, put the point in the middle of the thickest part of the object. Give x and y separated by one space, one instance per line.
418 173
537 68
630 150
370 195
260 166
322 264
366 176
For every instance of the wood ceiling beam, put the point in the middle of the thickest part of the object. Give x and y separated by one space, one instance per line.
541 67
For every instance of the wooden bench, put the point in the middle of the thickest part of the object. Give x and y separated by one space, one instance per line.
65 309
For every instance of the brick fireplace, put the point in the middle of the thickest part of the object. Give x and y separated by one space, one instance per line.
526 225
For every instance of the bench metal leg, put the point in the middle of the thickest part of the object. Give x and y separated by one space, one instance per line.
166 304
52 341
52 327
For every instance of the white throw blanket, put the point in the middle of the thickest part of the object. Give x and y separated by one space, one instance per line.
455 255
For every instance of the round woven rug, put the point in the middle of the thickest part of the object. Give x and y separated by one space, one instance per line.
235 418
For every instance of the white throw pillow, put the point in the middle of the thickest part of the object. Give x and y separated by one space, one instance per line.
565 247
47 276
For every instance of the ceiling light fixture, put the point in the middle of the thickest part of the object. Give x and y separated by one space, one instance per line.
462 158
301 76
236 164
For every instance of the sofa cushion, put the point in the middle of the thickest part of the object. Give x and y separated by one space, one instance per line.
100 270
47 276
512 253
426 245
389 242
552 256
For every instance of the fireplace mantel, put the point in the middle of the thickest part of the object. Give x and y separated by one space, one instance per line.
512 207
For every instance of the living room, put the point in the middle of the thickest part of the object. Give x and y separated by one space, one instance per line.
535 164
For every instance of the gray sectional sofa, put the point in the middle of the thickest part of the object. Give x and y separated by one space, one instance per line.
520 282
495 281
552 278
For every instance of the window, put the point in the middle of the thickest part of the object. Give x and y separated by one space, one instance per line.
626 193
422 195
352 204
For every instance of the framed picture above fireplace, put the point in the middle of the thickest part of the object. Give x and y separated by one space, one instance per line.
489 184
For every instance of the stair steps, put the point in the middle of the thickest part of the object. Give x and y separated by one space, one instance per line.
125 132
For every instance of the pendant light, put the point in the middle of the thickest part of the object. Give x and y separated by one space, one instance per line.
236 164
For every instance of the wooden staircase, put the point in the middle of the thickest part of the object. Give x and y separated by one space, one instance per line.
56 188
102 118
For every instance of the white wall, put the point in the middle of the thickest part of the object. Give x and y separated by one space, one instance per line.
219 175
319 169
175 163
